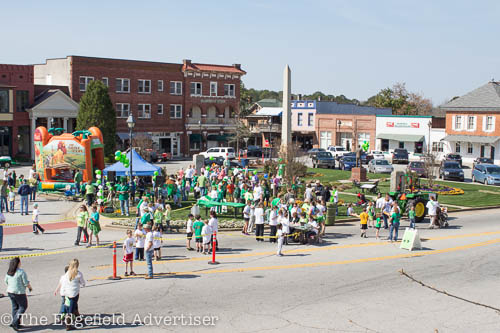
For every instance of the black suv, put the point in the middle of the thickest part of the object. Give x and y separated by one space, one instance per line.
451 170
400 155
454 157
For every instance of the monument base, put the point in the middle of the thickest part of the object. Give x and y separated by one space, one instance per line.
359 174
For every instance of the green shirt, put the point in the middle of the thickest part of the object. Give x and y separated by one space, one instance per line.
411 214
201 181
146 218
78 177
377 224
122 188
197 226
89 189
158 217
17 283
395 217
82 218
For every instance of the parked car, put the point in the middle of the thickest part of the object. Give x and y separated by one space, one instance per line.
337 151
488 174
254 151
482 160
323 159
347 162
163 157
365 158
219 152
5 161
380 166
451 170
418 167
217 160
400 155
377 155
313 151
454 157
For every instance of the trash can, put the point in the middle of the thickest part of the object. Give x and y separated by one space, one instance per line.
244 162
331 208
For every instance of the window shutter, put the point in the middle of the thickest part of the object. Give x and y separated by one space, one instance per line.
475 123
453 119
485 119
493 123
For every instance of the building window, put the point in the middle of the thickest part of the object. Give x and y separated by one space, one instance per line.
144 111
457 147
362 137
194 145
123 85
470 123
144 86
325 139
160 108
438 147
229 90
160 85
175 88
105 81
196 88
458 122
470 148
401 144
4 101
213 88
22 100
122 110
310 119
299 119
175 111
84 81
489 124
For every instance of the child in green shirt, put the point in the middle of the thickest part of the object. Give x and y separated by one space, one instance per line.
158 218
198 226
411 216
377 225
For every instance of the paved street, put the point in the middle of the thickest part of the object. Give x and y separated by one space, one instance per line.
345 284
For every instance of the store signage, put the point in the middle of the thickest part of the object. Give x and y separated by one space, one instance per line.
218 101
404 125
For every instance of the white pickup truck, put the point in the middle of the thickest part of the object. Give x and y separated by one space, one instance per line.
337 151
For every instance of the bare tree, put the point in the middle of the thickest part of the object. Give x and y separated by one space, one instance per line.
241 131
430 160
141 144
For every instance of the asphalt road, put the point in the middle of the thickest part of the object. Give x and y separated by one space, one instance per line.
344 284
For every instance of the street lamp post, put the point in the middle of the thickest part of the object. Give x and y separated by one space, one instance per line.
429 142
201 142
131 125
338 131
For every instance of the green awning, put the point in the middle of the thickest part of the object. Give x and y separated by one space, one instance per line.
194 137
401 137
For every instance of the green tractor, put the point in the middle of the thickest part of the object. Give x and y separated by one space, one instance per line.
407 194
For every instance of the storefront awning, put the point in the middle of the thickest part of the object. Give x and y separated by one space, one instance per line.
194 137
401 137
123 136
471 138
214 137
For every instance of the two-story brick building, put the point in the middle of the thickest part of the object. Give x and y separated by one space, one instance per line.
16 95
473 123
178 105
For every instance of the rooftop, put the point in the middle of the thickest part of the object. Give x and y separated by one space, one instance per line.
484 98
336 108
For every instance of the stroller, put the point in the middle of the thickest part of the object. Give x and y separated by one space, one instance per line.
442 216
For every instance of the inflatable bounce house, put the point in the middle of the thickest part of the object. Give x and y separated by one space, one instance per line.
58 155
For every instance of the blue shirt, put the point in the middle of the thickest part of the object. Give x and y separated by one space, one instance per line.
17 283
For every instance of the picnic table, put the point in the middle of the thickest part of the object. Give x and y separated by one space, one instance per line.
302 230
370 187
207 202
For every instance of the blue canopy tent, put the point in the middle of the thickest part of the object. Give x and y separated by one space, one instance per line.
139 167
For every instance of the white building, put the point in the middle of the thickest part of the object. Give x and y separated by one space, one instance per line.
409 132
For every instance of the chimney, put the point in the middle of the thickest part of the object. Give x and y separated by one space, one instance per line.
237 66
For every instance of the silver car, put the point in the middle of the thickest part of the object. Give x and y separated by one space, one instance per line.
380 166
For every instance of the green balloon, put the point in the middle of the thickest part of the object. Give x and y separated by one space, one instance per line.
98 182
126 165
98 172
212 158
117 158
156 173
118 153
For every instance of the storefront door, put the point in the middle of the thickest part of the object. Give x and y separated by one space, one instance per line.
492 153
482 150
5 141
418 147
346 140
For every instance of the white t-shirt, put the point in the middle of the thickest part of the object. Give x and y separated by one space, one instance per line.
142 207
257 192
259 215
32 173
189 226
207 234
139 234
61 281
35 215
285 223
308 193
213 194
350 211
189 173
432 207
273 218
336 196
149 238
280 234
156 239
72 288
320 210
214 224
129 245
379 204
247 211
387 206
12 196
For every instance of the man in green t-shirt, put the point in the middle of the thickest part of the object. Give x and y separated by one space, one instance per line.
122 190
394 221
202 184
89 193
198 226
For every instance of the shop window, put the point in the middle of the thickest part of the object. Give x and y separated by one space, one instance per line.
470 148
401 144
22 100
457 147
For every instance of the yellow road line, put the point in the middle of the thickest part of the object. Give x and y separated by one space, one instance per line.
328 263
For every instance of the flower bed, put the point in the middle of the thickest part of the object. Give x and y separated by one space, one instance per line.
443 190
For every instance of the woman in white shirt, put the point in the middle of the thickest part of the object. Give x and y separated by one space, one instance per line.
273 224
70 288
259 222
214 225
285 223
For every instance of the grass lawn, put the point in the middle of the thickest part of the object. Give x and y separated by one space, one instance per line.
334 175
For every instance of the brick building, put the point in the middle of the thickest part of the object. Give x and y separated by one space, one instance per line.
16 95
473 123
178 105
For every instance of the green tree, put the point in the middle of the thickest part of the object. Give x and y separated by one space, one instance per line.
401 101
97 110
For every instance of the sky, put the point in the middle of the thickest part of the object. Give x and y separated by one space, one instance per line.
440 49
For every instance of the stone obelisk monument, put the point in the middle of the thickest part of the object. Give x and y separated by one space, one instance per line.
286 125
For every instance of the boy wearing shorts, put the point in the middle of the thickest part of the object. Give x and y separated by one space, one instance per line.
378 223
363 221
198 226
128 253
189 232
207 236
